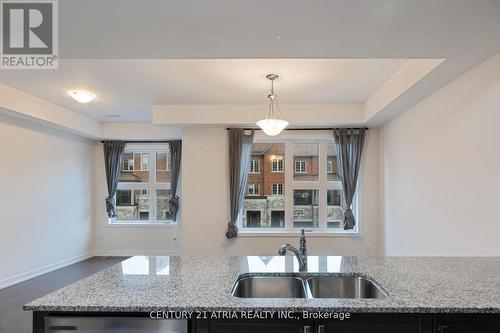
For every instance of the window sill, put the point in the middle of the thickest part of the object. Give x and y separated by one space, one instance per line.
142 225
297 234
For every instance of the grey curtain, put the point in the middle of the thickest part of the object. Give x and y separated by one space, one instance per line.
349 150
240 151
113 153
175 168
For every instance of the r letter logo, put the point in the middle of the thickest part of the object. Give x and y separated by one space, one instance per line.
29 35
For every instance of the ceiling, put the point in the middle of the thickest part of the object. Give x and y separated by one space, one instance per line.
134 54
129 88
156 29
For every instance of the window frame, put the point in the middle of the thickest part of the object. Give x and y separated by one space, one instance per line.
142 162
278 192
301 171
277 159
252 166
322 138
329 166
128 164
151 186
254 186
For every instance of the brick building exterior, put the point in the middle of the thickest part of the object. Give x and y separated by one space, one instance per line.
135 204
264 204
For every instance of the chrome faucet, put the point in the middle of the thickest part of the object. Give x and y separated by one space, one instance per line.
301 253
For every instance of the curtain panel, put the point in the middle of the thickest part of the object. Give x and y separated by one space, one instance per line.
240 152
113 153
175 167
349 144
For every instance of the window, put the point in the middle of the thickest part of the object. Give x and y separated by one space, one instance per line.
277 163
331 162
300 166
144 186
253 218
128 162
162 162
253 189
307 193
144 161
277 219
277 189
254 166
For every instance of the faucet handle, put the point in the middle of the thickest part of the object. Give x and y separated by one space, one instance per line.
303 248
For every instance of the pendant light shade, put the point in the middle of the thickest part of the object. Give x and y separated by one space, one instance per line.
272 127
274 124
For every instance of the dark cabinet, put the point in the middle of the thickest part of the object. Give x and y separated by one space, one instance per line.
357 323
377 323
254 326
467 323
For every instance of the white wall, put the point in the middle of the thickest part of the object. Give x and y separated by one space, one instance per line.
45 199
440 168
205 203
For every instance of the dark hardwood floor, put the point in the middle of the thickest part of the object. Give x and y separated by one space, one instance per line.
12 317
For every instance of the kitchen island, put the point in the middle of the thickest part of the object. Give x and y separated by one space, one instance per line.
424 294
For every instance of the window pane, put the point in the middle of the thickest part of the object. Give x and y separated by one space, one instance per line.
162 211
135 167
132 205
264 203
305 209
163 167
305 161
334 203
331 163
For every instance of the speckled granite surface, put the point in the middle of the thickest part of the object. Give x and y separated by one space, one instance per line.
423 284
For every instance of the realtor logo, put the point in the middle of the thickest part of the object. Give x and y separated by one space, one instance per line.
29 35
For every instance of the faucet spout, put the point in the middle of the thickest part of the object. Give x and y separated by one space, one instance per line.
301 254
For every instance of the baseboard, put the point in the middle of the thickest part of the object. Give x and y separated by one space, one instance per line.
42 270
130 253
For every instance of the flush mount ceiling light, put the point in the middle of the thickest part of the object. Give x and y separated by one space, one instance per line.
82 96
274 123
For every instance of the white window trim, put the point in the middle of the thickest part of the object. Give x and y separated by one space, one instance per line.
322 184
151 186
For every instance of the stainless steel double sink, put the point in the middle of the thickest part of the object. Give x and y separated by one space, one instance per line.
306 285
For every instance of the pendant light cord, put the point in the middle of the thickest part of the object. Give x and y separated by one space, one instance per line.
272 97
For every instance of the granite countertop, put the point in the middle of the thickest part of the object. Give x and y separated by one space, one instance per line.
414 284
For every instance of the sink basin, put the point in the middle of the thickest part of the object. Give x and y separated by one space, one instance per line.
344 286
256 286
306 286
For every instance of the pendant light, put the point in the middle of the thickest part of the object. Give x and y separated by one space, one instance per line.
274 123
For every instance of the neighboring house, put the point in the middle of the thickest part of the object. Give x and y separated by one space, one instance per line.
134 204
264 205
